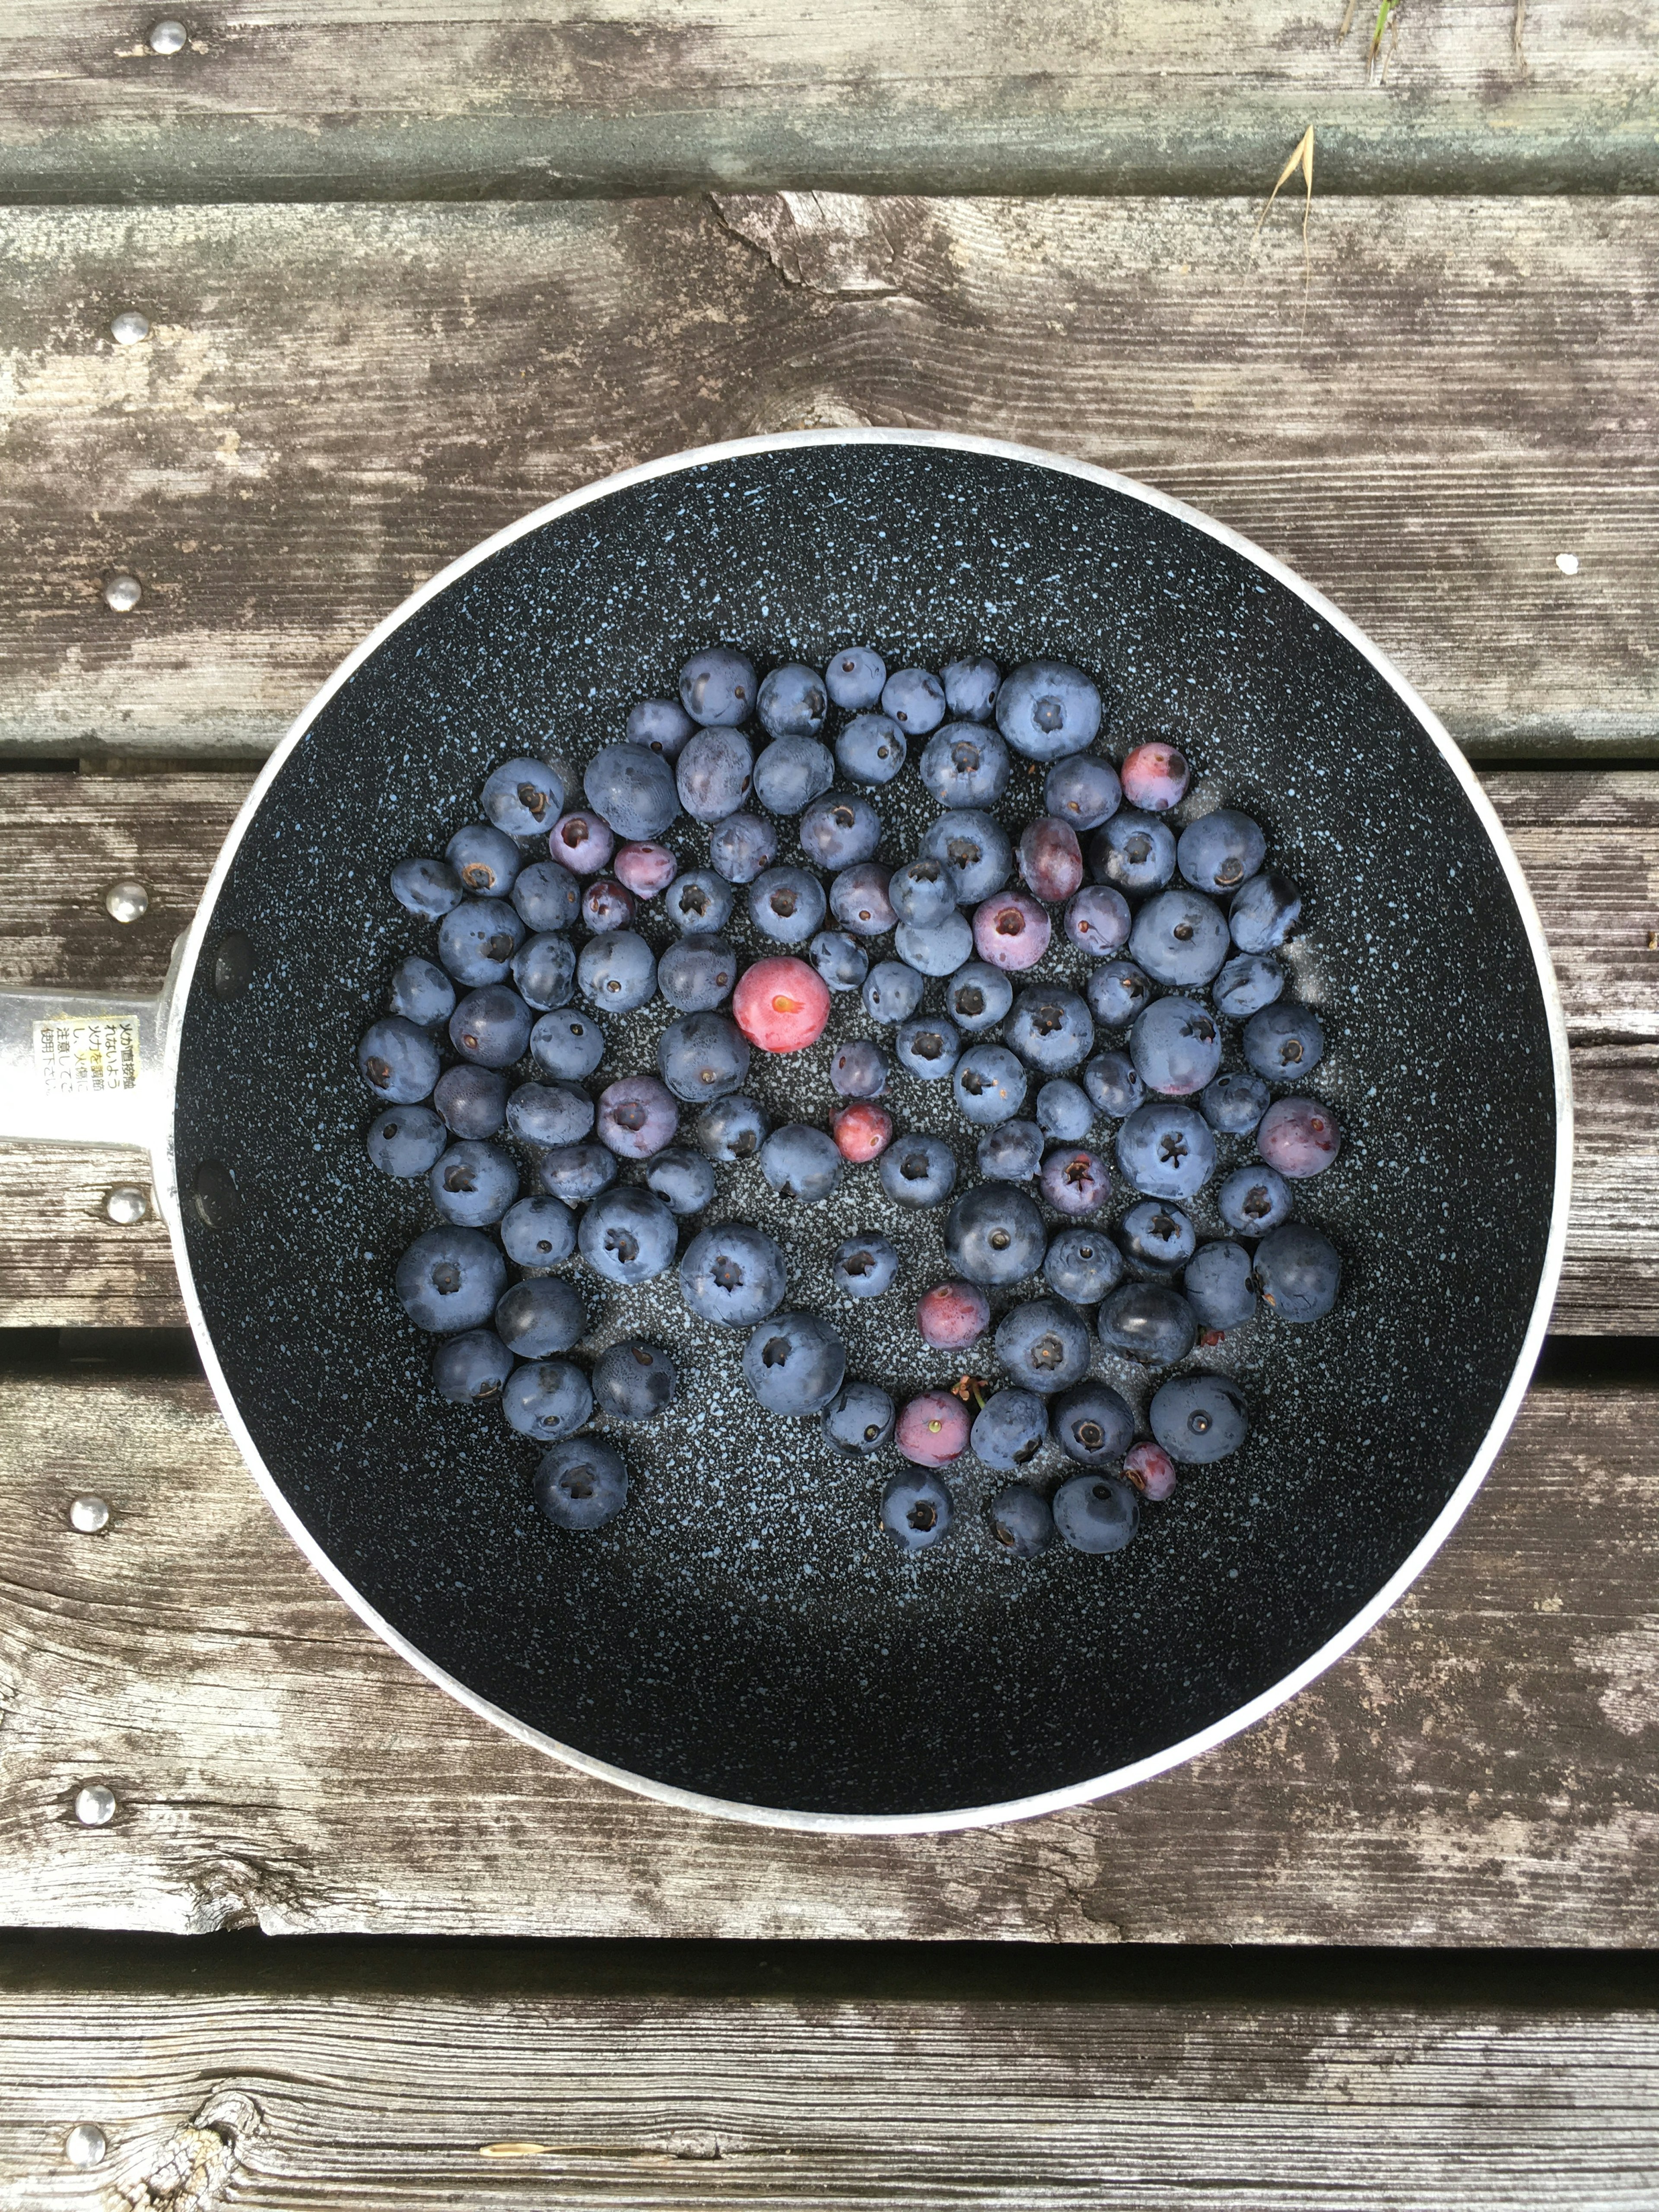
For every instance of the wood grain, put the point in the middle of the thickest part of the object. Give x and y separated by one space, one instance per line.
1479 1771
334 402
559 97
388 2096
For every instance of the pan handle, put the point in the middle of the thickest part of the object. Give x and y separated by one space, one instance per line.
80 1068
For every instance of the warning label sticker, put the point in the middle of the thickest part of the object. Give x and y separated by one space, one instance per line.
81 1053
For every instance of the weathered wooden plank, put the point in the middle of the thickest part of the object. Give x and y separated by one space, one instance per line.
476 98
332 403
492 2096
1479 1772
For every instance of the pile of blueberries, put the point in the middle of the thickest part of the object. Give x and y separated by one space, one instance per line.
535 906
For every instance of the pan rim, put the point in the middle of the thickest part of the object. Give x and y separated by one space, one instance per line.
1230 1724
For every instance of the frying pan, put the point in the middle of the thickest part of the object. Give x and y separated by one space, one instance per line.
739 1640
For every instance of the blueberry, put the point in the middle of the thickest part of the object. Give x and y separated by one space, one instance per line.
794 1364
1199 1419
1092 1424
1166 1150
993 1234
918 1171
977 996
786 904
854 677
566 1046
1148 1322
1253 1200
1116 992
547 1400
644 869
1284 1042
801 1162
582 842
1010 931
696 973
525 797
1083 1264
541 1314
975 848
421 993
633 788
963 765
405 1140
859 900
538 1232
793 702
970 689
576 1173
1064 1111
928 1046
1219 1286
989 1084
1155 776
859 1419
922 893
634 1381
1083 790
1044 1345
1175 1047
430 889
662 725
398 1062
1179 937
544 971
1048 709
1298 1273
627 1234
892 992
1217 851
471 1100
1300 1137
546 896
449 1279
473 1184
939 951
1233 1104
732 1274
491 1026
485 859
1051 1027
718 687
839 959
607 904
1096 1513
637 1117
916 1510
1098 920
713 774
471 1369
792 773
1012 1153
734 1128
1264 913
916 700
1247 984
864 1267
1010 1429
683 1180
618 971
582 1484
1020 1523
870 749
476 941
840 831
1158 1239
1074 1180
1111 1082
1134 853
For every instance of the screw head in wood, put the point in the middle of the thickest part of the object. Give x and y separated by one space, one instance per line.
167 36
126 1204
86 2144
88 1515
122 593
95 1805
128 327
126 901
1567 563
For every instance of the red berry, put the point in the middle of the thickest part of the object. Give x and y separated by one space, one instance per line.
863 1132
646 869
1155 778
1050 859
932 1430
1010 931
1149 1467
952 1315
781 1005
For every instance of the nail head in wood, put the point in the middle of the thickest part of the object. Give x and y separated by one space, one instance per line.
167 36
86 2144
95 1805
130 327
126 901
126 1204
88 1515
122 593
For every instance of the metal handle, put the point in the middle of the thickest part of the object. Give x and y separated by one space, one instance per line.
83 1068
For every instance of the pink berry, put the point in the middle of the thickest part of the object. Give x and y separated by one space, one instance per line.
1050 859
952 1315
932 1430
1010 931
862 1131
1149 1467
1299 1137
581 842
606 905
646 869
637 1117
1098 919
780 1005
1074 1180
1155 778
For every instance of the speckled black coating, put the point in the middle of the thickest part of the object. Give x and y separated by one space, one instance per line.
741 1630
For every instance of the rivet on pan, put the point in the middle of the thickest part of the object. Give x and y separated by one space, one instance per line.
167 37
214 1196
233 965
122 593
86 2144
1567 563
88 1515
126 901
95 1805
128 327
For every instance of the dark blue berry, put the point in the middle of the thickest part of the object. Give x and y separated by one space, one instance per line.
1092 1424
1247 984
1157 1239
1048 709
794 1362
1166 1149
1217 853
1097 919
576 1173
787 905
713 774
421 993
1234 1104
1219 1286
1116 992
734 1128
1298 1273
928 1046
839 830
989 1084
975 849
472 1101
1083 791
1199 1419
718 687
566 1046
1051 1027
1148 1322
1111 1082
916 700
485 859
582 1484
1135 853
970 689
864 1267
683 1180
478 940
618 971
993 1235
1044 1345
1284 1042
963 765
538 1232
1082 1264
870 749
923 892
1020 1521
892 992
791 773
634 1381
1175 1047
742 847
918 1171
698 905
471 1369
546 896
697 973
1065 1111
430 889
733 1275
1264 913
839 959
860 1419
859 900
1096 1513
801 1162
793 702
627 1234
702 1057
450 1278
525 797
539 1316
854 677
1010 1429
939 951
977 996
915 1510
398 1062
1012 1153
662 724
1253 1200
547 1400
633 788
544 971
405 1140
1179 937
491 1026
473 1184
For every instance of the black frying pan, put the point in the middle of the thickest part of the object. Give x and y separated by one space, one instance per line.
739 1639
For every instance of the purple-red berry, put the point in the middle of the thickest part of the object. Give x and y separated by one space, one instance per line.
1050 859
932 1430
581 842
1155 778
645 869
952 1315
1010 931
1074 1180
1300 1137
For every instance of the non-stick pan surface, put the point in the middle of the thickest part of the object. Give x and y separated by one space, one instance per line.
740 1636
